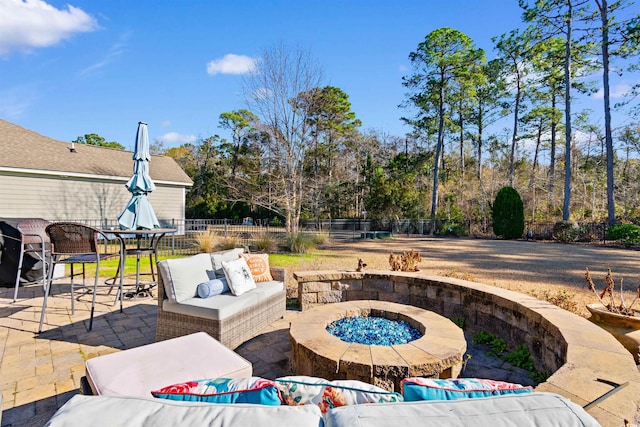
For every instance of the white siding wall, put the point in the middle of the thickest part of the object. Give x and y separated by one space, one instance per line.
67 198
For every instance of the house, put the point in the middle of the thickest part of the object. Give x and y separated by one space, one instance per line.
45 178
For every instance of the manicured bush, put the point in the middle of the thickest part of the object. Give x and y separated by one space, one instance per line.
628 234
508 214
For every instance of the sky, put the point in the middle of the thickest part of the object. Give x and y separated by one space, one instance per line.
74 67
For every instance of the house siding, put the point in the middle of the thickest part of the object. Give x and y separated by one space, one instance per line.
59 198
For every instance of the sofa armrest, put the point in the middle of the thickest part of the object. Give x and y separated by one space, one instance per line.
160 289
279 274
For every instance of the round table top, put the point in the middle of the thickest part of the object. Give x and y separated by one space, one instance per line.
140 232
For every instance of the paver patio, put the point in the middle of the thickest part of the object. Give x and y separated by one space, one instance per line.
39 373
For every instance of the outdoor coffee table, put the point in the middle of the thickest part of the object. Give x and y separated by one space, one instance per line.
315 352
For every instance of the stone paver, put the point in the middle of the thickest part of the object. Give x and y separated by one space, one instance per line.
40 372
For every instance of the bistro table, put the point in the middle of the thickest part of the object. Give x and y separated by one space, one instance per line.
146 244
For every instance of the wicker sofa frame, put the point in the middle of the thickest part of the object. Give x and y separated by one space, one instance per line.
232 331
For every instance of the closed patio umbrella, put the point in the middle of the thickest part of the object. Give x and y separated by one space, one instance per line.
138 214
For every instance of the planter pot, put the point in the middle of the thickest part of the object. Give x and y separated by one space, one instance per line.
626 329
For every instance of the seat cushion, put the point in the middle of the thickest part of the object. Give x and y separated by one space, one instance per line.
108 411
522 410
140 370
224 305
181 276
218 257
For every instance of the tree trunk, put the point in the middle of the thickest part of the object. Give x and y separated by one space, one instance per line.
552 158
515 130
461 124
480 129
439 146
611 208
567 114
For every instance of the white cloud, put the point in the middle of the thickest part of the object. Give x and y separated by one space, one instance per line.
615 91
165 123
231 64
112 54
27 24
176 138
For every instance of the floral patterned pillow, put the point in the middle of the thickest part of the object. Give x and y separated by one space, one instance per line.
223 390
417 388
303 390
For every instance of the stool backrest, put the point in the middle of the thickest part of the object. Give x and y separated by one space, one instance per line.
72 238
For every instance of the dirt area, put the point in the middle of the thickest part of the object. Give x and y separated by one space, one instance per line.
547 270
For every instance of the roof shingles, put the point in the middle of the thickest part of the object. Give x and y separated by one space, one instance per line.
24 149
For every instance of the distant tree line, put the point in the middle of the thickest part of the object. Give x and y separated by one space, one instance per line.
297 151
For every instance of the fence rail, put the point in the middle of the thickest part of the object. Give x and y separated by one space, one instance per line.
245 232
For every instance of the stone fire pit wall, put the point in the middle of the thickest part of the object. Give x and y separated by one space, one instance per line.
575 353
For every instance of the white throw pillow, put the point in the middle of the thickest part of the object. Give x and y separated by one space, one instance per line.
239 276
184 275
218 257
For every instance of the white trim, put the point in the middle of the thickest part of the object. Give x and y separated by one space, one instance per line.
85 176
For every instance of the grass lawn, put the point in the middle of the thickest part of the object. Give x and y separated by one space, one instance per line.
109 267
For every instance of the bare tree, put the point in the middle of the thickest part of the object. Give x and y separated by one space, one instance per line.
280 76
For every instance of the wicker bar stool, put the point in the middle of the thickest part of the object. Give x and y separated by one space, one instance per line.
74 243
34 242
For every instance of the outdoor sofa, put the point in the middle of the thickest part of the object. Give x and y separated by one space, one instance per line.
230 319
523 410
194 380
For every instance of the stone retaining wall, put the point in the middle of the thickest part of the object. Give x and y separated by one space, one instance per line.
574 352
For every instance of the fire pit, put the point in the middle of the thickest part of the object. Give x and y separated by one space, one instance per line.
315 352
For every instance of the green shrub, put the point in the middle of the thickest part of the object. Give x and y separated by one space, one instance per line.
508 214
521 358
276 222
627 234
451 229
566 231
496 345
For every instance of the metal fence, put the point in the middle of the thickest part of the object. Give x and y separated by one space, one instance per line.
245 232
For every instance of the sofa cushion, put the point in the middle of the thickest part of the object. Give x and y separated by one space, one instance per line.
259 266
223 390
108 411
225 305
218 257
417 388
238 276
181 276
138 371
213 287
304 390
522 410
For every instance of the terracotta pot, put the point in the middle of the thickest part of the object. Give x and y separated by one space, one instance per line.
626 329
